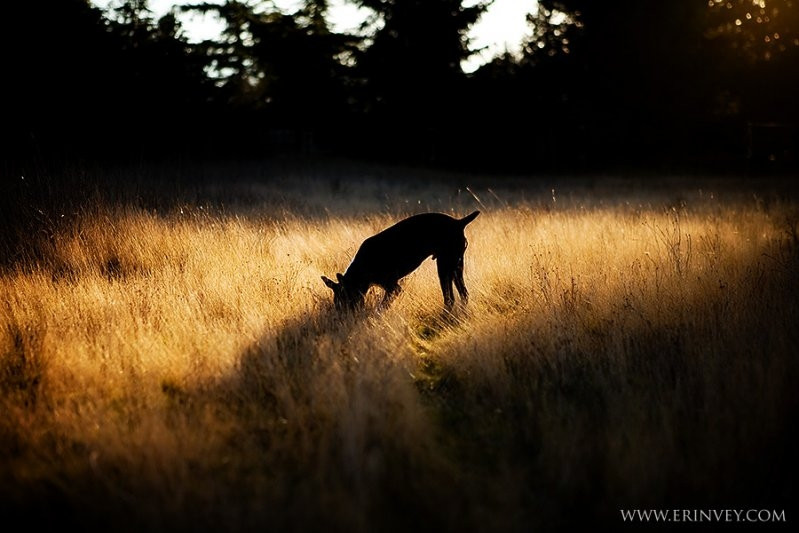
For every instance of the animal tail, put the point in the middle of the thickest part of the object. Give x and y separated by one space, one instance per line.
468 218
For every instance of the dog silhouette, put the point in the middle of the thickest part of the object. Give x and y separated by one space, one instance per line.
385 258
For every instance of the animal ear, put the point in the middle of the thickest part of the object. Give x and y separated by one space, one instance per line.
340 278
330 283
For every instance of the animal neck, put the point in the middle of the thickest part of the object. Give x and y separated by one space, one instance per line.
356 284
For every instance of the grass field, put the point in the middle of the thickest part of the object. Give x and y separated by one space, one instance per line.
170 358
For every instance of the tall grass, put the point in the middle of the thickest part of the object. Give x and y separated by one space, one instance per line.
175 363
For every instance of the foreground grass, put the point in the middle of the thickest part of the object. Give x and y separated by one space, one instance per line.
177 365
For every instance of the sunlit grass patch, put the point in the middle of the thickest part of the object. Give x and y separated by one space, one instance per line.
186 367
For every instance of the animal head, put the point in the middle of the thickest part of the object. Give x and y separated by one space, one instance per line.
344 295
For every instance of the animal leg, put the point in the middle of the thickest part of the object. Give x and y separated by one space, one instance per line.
459 283
445 277
391 292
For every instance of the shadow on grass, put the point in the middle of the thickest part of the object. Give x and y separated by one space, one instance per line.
333 435
320 428
317 429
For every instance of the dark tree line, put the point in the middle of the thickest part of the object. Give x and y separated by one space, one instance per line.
76 81
651 83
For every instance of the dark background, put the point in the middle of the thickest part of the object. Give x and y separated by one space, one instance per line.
616 85
642 88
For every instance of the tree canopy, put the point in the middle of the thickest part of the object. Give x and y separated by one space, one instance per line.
597 83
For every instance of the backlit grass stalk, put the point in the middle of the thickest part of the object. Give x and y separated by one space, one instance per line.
186 369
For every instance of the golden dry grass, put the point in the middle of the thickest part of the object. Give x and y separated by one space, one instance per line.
180 366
